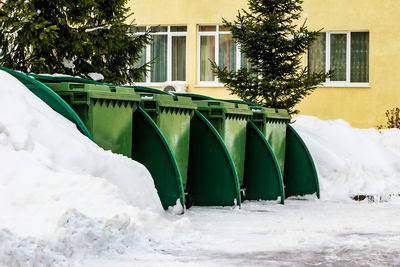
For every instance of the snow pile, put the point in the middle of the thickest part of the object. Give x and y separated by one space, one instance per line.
352 161
62 198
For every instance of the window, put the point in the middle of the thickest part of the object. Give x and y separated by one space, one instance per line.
216 44
346 53
168 52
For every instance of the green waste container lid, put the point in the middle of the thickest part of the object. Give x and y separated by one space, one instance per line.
143 89
96 90
219 108
250 104
173 101
270 113
194 96
57 78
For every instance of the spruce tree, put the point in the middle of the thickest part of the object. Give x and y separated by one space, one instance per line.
74 37
274 46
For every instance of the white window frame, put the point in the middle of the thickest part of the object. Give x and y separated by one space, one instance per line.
347 83
169 54
216 34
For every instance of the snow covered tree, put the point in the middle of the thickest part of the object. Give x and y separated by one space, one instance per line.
78 37
274 46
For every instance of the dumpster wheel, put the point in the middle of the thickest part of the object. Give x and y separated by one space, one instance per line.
188 200
242 194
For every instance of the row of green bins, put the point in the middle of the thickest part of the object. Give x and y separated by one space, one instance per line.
277 162
105 110
256 169
259 175
208 175
117 122
172 167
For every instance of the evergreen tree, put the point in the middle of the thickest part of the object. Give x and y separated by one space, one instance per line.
75 37
274 47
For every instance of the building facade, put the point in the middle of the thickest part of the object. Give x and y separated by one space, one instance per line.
360 40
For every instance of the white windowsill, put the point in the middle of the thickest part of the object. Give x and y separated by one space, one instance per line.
363 85
220 85
333 84
209 84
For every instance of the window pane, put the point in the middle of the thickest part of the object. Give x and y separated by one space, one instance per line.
207 51
244 61
159 28
178 28
138 29
227 52
178 58
224 29
159 55
316 54
207 28
359 70
140 63
338 57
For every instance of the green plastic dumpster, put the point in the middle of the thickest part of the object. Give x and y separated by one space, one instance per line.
262 175
230 120
300 176
153 151
105 110
172 115
295 161
273 123
212 176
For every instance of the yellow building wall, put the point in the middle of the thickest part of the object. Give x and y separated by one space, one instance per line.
190 13
361 106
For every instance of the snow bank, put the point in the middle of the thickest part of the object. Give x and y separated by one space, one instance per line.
62 197
352 161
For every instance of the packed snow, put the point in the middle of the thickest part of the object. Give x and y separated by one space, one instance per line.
64 201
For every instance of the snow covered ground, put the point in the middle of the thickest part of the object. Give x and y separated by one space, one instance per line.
301 233
64 201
